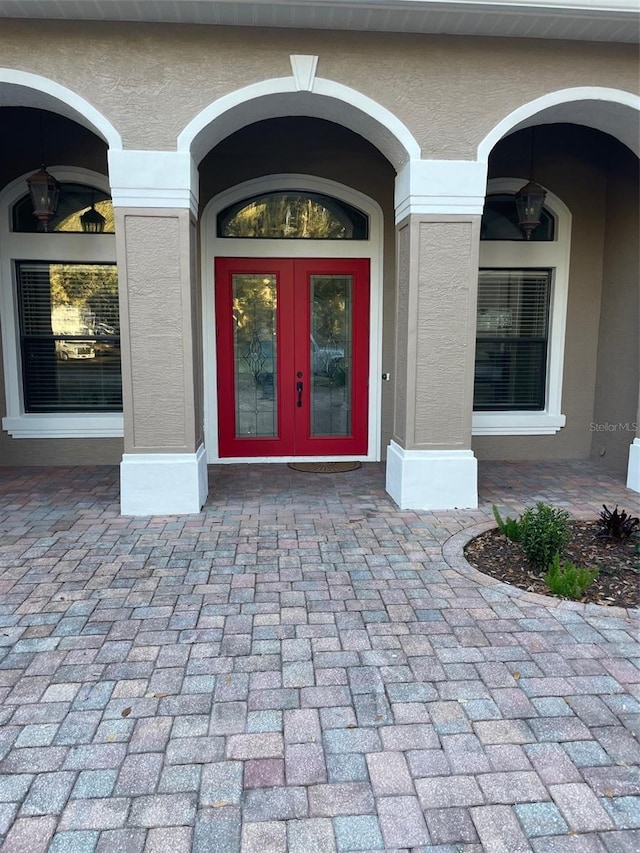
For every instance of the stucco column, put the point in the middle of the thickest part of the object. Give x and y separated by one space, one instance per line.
633 471
163 469
430 464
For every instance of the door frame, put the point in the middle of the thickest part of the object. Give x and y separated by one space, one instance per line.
213 246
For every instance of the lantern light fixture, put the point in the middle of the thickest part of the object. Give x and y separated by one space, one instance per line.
530 201
92 221
45 194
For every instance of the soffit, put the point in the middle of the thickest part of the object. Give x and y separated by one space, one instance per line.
582 20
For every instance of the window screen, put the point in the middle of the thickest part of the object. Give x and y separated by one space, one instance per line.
69 337
512 338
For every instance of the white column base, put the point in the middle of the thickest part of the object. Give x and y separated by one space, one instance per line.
633 473
432 479
163 483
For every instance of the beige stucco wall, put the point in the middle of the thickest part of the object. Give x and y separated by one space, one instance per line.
615 417
156 303
435 346
151 80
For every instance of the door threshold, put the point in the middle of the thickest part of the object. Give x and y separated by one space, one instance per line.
283 460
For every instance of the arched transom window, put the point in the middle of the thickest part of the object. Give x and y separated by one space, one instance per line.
293 215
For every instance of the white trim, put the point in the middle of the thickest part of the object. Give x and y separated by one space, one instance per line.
518 118
432 479
236 109
553 255
163 483
213 247
81 425
83 248
440 187
82 111
517 423
633 471
153 179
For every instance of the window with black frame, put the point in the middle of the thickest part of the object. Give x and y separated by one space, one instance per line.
512 339
69 336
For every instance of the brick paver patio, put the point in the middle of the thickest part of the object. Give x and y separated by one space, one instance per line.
304 667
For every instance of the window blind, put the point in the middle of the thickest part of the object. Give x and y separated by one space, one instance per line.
69 337
512 338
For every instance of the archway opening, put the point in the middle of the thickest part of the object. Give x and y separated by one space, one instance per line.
324 161
595 175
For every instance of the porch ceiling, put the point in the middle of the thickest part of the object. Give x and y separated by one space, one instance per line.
582 20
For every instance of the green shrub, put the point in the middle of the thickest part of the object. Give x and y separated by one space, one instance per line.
544 531
567 580
509 528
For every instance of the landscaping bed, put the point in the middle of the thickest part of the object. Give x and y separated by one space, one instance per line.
617 582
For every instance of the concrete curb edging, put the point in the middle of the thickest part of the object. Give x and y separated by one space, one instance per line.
453 555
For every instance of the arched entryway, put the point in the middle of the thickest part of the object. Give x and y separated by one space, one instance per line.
581 145
58 286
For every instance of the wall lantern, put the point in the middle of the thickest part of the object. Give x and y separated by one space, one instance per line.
45 193
92 221
530 200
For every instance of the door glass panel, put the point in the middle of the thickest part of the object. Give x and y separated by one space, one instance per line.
330 354
255 355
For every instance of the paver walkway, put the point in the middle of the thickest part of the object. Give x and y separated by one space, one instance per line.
303 667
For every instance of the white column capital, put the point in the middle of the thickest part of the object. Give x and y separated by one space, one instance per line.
440 187
167 179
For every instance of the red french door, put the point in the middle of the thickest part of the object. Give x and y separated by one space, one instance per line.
293 356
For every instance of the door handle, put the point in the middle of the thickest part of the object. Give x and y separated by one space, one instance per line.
299 390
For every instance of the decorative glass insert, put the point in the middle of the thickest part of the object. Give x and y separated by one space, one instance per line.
75 199
255 302
69 337
330 354
293 215
512 338
500 221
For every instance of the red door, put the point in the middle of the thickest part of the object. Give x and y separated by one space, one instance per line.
293 356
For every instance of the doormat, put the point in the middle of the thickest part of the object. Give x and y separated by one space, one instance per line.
324 467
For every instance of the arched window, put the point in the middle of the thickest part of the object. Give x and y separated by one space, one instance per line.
62 352
293 215
76 200
500 220
521 313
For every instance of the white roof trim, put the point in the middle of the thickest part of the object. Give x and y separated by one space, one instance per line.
582 20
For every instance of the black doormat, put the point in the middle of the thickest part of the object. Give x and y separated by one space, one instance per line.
324 467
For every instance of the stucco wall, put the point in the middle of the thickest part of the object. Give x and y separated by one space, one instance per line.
616 397
446 303
151 80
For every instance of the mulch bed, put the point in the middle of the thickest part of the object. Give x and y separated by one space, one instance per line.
617 583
